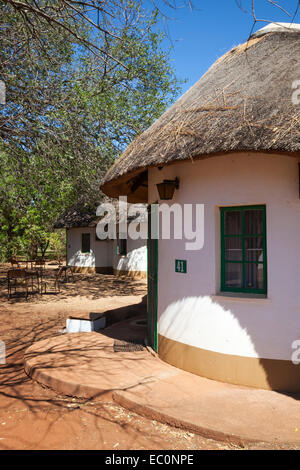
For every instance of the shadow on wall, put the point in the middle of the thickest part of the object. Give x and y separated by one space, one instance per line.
135 260
82 259
230 343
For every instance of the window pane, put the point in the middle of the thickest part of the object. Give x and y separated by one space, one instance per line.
122 246
243 249
254 222
254 249
233 275
85 243
233 249
254 276
233 223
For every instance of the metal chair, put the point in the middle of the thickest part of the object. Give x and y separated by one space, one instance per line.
57 279
39 267
12 277
69 270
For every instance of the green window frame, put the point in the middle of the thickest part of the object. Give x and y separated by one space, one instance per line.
122 246
243 253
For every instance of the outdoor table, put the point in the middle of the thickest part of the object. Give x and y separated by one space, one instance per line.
27 262
13 274
31 262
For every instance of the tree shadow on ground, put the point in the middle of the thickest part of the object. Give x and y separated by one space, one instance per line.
92 286
20 396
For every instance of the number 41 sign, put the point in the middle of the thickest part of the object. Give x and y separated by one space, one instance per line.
180 266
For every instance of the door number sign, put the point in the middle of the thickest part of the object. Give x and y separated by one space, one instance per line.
180 266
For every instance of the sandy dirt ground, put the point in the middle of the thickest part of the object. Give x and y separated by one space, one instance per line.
33 417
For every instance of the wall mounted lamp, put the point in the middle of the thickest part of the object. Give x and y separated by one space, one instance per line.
167 188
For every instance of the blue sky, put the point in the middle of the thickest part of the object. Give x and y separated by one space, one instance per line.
200 36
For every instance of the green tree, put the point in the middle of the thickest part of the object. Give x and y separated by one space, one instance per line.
69 113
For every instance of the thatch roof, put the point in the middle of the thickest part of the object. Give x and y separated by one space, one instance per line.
77 216
81 216
242 103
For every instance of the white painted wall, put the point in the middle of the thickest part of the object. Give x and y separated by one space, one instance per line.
190 309
104 253
136 258
99 256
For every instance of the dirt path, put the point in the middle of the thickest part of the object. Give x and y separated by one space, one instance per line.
32 417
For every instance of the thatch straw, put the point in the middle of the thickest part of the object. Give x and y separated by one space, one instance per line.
77 216
243 103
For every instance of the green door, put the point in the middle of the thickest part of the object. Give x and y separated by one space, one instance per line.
152 275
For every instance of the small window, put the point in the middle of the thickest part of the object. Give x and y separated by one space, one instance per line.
243 249
85 243
122 246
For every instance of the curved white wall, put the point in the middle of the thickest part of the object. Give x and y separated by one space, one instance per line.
99 256
104 253
190 307
136 258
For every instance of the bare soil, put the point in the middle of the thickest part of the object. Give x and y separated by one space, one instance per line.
33 417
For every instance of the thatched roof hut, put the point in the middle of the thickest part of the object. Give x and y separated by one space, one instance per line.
77 216
242 103
86 252
224 264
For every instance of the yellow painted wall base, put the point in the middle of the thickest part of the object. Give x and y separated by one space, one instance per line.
270 374
93 269
131 274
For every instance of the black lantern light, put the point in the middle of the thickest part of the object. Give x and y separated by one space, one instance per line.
166 188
